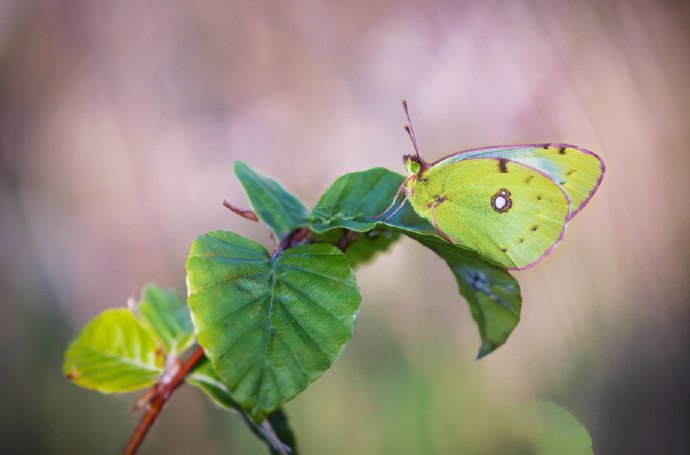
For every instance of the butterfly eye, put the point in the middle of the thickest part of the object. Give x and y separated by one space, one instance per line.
412 166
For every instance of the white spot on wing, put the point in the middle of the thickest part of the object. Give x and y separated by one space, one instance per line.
499 202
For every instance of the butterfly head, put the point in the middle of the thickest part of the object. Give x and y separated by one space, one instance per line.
414 165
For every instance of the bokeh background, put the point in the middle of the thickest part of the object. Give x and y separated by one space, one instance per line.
119 122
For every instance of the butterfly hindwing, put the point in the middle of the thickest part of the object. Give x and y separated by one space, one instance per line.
510 213
578 171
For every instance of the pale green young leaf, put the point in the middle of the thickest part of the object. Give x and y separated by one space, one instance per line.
166 313
113 353
269 325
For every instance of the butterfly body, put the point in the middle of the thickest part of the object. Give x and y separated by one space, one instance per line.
511 204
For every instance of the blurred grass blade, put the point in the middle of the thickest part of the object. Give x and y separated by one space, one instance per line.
166 313
270 326
492 293
114 352
276 208
560 432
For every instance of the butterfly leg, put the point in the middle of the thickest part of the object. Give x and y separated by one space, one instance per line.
403 187
407 196
395 198
438 229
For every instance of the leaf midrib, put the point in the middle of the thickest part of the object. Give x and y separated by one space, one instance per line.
125 360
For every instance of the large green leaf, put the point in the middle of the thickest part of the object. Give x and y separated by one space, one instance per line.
205 378
269 325
278 209
492 293
166 313
114 352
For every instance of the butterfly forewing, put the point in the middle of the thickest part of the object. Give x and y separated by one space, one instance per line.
578 171
510 213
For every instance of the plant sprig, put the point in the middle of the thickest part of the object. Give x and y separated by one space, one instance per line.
267 324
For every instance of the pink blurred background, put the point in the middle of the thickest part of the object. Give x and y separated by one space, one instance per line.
119 123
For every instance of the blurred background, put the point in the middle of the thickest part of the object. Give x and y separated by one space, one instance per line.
119 123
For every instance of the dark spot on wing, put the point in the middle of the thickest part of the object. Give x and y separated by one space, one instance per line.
438 199
504 250
502 165
545 146
534 228
561 151
562 182
569 173
539 197
528 179
521 239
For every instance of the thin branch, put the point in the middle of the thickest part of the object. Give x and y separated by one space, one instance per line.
293 239
267 429
244 213
346 239
159 395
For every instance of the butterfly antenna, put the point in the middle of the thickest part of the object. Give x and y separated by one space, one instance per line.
410 130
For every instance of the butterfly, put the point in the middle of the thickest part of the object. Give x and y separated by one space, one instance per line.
511 204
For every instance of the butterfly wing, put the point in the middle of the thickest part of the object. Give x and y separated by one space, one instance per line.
510 213
578 171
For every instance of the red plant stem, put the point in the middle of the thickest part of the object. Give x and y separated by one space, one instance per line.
160 394
244 213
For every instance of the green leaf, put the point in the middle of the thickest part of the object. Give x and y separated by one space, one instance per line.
114 352
369 244
361 247
166 313
269 325
205 378
492 293
561 433
276 208
354 199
